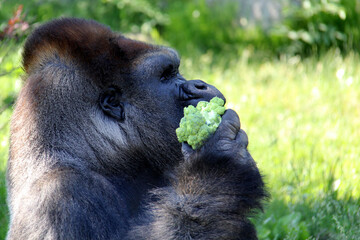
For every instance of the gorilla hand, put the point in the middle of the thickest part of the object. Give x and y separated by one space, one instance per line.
228 141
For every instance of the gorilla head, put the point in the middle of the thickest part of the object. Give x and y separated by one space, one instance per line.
93 134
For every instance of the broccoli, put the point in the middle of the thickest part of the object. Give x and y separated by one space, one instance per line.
199 123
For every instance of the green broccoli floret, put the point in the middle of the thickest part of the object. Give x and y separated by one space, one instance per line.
199 123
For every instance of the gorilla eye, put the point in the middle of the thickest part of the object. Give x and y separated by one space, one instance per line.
169 72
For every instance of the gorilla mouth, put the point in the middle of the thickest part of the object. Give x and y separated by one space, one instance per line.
185 95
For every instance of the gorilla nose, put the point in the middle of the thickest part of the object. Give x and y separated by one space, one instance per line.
199 90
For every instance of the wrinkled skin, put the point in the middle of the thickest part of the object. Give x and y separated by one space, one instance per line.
93 150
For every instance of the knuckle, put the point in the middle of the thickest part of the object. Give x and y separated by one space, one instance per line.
231 117
242 138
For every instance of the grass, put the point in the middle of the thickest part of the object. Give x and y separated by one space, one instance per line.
303 121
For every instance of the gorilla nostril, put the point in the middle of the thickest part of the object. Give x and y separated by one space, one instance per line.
201 86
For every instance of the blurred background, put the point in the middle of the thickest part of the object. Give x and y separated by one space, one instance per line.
290 68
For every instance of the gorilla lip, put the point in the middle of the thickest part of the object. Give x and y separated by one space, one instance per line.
185 95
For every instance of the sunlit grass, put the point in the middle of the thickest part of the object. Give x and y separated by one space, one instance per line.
303 122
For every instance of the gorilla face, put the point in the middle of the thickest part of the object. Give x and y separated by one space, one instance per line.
149 100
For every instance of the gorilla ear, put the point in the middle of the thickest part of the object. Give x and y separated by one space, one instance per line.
111 105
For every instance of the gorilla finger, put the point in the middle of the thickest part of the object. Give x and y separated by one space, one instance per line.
230 124
186 150
242 138
231 117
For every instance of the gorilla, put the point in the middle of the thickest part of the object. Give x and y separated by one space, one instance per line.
93 149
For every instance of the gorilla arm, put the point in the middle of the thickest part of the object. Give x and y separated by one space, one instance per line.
213 191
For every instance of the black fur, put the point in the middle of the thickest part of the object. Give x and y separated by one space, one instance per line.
94 154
